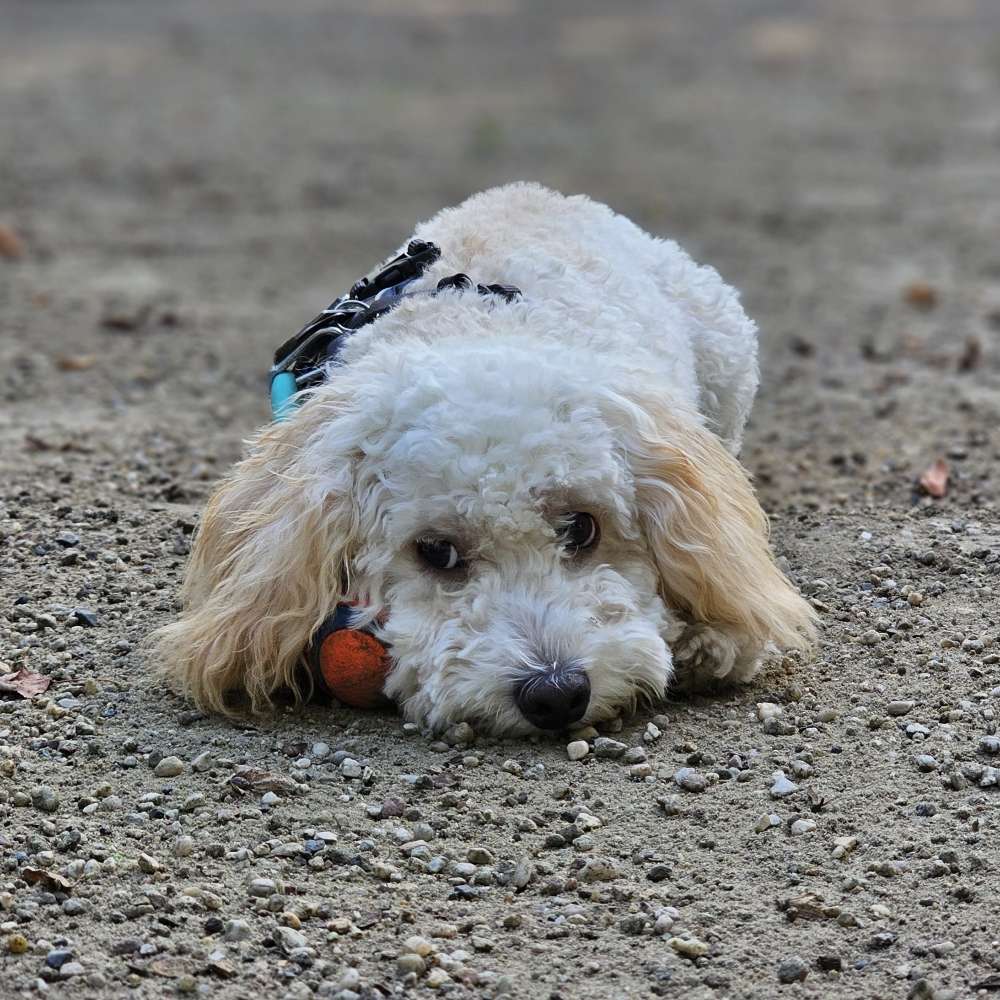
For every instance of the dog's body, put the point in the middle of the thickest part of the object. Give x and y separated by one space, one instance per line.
542 494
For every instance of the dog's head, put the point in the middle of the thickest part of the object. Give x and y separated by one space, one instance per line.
535 529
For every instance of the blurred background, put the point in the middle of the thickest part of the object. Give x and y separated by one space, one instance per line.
185 182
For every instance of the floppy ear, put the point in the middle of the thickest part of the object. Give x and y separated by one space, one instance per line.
270 560
707 532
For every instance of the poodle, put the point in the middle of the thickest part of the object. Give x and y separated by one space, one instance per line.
534 498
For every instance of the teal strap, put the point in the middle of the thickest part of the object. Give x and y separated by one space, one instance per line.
282 393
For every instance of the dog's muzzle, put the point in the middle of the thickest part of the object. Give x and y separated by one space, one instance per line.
554 699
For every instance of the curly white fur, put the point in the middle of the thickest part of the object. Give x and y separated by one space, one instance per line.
618 385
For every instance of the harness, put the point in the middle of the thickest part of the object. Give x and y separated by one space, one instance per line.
304 361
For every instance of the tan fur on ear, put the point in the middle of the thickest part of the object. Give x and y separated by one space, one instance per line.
708 533
270 560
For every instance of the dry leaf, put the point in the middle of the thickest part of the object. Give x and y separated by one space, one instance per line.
24 683
75 362
11 246
972 354
934 479
920 295
49 880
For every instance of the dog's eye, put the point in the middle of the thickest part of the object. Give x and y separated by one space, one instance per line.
580 531
439 553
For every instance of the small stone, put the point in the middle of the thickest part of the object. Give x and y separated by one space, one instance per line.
767 821
461 734
577 750
897 708
990 745
262 888
690 780
436 978
652 733
925 762
608 748
792 970
45 799
768 710
689 947
599 870
479 856
149 864
183 847
17 944
523 873
58 957
289 939
802 826
350 768
236 930
842 846
782 786
204 761
411 963
169 767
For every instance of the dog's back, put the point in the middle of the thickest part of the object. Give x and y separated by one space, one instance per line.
602 271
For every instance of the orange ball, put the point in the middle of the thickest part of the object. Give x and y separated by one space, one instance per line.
354 666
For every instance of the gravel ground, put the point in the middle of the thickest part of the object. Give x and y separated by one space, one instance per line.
184 184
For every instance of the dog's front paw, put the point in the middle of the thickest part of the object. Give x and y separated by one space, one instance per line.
704 655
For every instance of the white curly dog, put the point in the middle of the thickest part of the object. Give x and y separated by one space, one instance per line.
539 497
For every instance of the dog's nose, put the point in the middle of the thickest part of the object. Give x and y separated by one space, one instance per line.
553 700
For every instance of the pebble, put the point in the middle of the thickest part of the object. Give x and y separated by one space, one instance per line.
58 957
652 733
169 767
236 930
768 710
479 856
802 826
183 847
990 745
689 947
461 734
792 970
45 799
608 748
407 963
782 786
766 822
17 944
690 780
897 708
577 750
350 768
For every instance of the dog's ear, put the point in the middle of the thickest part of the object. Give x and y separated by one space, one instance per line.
706 530
270 560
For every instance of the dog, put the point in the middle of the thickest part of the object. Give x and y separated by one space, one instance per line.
536 497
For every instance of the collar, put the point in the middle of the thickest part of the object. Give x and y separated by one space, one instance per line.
303 361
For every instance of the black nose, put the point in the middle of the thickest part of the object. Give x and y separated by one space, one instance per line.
553 700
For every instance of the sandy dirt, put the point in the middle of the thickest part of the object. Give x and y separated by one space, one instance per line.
184 183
